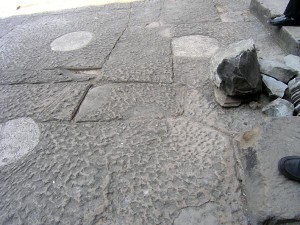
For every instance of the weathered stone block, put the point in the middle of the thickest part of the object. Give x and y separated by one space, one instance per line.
271 198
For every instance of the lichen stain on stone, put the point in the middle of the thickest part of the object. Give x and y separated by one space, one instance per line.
250 138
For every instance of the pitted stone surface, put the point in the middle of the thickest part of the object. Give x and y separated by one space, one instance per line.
41 102
17 138
45 76
28 45
138 172
188 11
148 60
124 101
72 41
195 46
231 33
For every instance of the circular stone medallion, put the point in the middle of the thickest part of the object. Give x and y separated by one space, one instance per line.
17 138
195 46
72 41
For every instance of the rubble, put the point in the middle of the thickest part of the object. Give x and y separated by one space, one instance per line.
274 87
277 70
225 100
279 108
293 61
235 69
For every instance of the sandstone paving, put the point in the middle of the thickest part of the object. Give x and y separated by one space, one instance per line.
143 54
188 12
132 172
272 198
128 128
231 33
45 76
28 45
42 102
130 101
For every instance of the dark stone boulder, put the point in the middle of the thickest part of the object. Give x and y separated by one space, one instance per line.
235 69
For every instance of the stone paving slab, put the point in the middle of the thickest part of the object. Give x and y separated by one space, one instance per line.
28 46
127 101
42 102
287 37
188 11
133 172
45 76
231 33
145 12
143 55
8 24
271 198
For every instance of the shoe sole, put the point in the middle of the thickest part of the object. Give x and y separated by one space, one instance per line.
281 167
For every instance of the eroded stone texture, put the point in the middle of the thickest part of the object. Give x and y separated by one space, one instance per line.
271 198
28 45
137 172
41 102
193 72
200 105
187 12
124 101
142 55
45 76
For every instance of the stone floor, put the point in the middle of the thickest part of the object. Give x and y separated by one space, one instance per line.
108 114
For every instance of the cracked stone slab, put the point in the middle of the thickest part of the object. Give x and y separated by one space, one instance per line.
28 46
231 33
45 76
123 101
142 55
271 198
133 172
188 11
42 101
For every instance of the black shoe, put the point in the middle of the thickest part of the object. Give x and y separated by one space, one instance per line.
290 167
283 21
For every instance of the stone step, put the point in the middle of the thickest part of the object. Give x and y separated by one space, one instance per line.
271 198
288 38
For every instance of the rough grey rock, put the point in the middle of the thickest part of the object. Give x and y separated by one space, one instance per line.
294 88
274 87
254 105
293 61
225 100
271 198
235 69
277 70
279 108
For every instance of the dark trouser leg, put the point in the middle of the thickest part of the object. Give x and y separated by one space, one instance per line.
293 9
